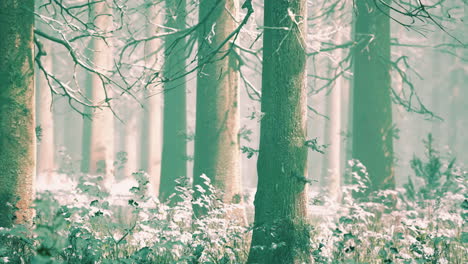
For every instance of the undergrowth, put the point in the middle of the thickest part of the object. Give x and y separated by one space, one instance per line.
423 222
90 226
419 223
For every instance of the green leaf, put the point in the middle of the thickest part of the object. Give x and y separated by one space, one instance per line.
464 237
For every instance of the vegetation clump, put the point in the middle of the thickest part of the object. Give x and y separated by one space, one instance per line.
422 222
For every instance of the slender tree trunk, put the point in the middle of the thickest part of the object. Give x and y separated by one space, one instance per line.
453 118
331 172
372 113
98 135
151 138
333 160
463 145
456 113
119 142
174 154
436 94
45 120
217 153
126 138
280 201
348 141
131 140
348 108
72 134
17 137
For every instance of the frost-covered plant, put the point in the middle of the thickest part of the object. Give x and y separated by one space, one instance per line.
88 225
423 223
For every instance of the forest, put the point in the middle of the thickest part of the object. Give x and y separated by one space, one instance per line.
233 131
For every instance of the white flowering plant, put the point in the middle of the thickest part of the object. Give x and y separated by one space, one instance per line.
88 225
422 222
419 223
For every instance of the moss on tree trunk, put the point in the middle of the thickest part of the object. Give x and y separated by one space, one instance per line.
372 105
280 232
17 137
217 151
174 155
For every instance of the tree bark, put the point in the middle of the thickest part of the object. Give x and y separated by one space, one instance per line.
372 113
127 137
151 138
457 113
217 153
331 171
174 153
17 124
280 232
131 139
98 135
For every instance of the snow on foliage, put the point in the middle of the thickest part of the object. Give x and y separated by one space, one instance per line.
80 222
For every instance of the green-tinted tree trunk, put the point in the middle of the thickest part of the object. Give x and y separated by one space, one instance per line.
174 153
45 120
17 137
98 135
217 151
438 60
151 138
348 111
280 234
457 113
372 113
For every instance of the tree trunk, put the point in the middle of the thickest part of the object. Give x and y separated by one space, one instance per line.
437 107
127 138
280 234
174 154
333 160
131 139
217 153
17 137
372 113
45 121
457 114
152 116
151 138
331 171
71 132
98 135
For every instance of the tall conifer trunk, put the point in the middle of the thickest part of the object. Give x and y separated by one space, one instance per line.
280 234
332 162
372 113
98 134
151 138
151 132
174 152
331 170
17 137
217 151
